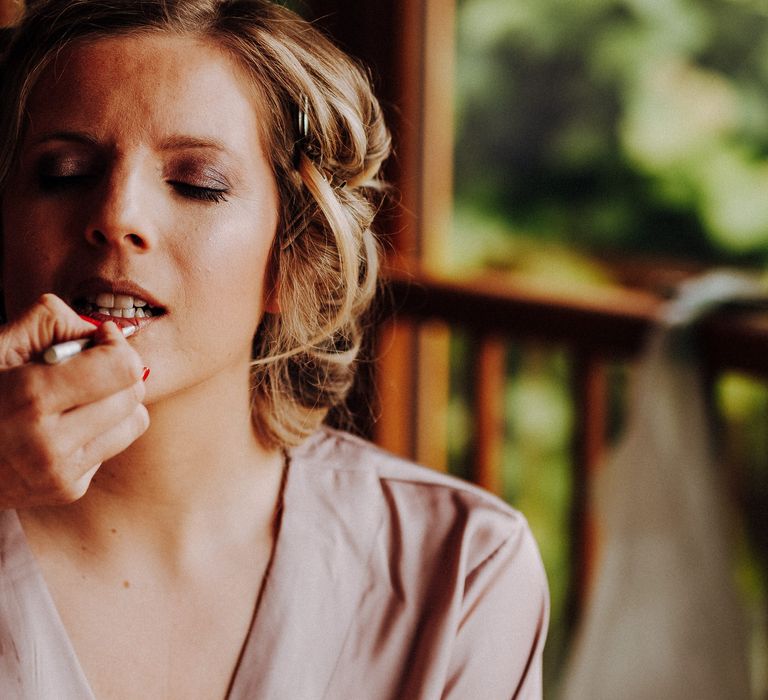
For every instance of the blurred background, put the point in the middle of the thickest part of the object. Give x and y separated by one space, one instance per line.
599 133
560 167
635 127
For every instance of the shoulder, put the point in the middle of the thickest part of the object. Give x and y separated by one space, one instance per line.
450 567
422 505
338 451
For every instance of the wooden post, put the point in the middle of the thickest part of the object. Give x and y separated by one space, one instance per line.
490 379
413 69
393 428
435 198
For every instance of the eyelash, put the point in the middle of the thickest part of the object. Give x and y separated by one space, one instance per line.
203 194
52 183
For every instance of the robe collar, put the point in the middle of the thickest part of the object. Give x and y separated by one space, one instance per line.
319 572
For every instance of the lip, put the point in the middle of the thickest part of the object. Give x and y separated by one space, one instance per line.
98 285
122 322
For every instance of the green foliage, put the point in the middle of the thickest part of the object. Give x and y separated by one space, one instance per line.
638 125
742 404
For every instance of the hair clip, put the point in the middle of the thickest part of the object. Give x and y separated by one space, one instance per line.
303 118
302 125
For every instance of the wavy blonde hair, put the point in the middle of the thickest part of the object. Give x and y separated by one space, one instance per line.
325 257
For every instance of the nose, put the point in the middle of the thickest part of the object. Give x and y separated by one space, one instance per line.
120 217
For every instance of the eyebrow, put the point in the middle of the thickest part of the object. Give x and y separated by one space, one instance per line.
178 143
172 143
77 136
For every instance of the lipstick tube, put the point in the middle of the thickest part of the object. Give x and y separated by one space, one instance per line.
69 348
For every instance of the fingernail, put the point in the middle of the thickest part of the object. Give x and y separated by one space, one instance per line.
145 374
91 320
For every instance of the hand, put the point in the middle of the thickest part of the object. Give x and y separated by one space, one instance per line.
58 423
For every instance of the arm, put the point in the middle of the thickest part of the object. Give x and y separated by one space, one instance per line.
58 423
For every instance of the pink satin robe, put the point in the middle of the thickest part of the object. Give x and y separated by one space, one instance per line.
388 582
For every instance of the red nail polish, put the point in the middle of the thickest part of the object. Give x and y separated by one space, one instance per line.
145 374
90 320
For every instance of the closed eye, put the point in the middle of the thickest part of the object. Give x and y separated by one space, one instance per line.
56 183
203 194
59 171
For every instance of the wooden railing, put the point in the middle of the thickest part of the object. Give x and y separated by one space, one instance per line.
609 321
596 325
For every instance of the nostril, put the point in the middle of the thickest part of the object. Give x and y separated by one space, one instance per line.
98 237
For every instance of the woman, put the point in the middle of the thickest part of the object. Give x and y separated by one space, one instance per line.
205 171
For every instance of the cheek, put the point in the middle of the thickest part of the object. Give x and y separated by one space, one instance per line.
29 260
227 280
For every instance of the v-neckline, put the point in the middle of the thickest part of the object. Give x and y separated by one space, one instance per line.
56 624
320 572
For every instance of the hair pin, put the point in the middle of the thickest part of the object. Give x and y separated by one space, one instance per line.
303 118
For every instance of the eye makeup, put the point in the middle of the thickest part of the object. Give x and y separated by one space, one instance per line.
204 194
71 160
54 171
195 178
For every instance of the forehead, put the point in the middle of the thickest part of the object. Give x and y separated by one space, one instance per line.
148 86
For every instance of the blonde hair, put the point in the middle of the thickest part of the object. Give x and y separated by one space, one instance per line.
325 257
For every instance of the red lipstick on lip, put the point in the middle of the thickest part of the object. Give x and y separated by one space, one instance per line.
99 319
94 321
123 322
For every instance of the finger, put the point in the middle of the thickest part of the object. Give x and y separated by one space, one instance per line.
57 491
110 366
81 485
85 423
59 461
48 321
59 469
94 374
113 441
35 471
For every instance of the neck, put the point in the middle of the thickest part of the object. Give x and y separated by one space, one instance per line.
198 471
199 445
